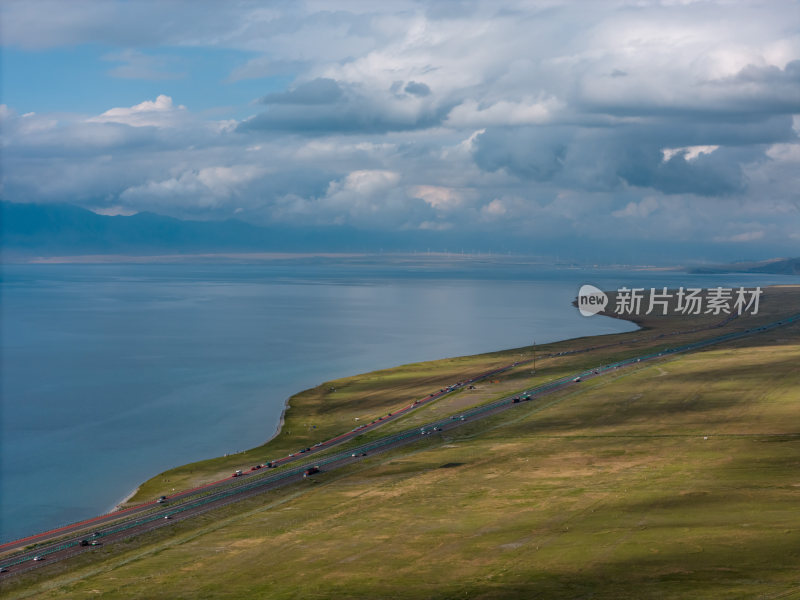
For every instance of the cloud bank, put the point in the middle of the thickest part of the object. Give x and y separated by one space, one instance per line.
652 122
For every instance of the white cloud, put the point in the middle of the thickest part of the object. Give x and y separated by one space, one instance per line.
438 197
637 210
494 209
114 211
362 196
747 236
435 226
150 113
364 183
471 114
203 187
688 152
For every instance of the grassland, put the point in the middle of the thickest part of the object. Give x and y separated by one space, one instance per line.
678 479
333 407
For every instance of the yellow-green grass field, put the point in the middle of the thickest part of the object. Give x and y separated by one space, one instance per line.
676 479
334 406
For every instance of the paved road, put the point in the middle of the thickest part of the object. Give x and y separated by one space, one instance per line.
149 516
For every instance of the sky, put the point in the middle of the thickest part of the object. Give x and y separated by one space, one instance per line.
662 127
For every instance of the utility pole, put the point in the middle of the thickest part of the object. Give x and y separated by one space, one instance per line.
534 356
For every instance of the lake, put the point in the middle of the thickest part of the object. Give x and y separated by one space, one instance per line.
112 373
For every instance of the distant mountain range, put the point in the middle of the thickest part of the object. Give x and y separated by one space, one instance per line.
63 229
30 231
775 266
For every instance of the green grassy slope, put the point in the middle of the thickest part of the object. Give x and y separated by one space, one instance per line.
334 406
678 479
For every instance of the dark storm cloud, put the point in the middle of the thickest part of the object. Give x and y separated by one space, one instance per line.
417 89
529 152
324 106
607 161
317 91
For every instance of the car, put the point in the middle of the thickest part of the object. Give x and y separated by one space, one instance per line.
38 558
167 516
94 543
462 418
255 467
3 570
577 379
363 454
311 471
84 543
96 534
161 500
237 473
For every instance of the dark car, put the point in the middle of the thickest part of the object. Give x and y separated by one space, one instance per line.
84 542
311 471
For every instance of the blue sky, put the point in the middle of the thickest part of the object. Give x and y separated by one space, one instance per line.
655 125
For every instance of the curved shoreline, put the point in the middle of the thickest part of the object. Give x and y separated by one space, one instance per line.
282 420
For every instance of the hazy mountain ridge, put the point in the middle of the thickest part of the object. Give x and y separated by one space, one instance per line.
777 266
65 228
52 230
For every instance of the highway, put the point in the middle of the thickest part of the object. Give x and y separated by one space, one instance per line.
65 542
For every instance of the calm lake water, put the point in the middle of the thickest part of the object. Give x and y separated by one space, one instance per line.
113 373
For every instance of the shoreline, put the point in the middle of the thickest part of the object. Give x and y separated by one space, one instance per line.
639 327
282 419
120 505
